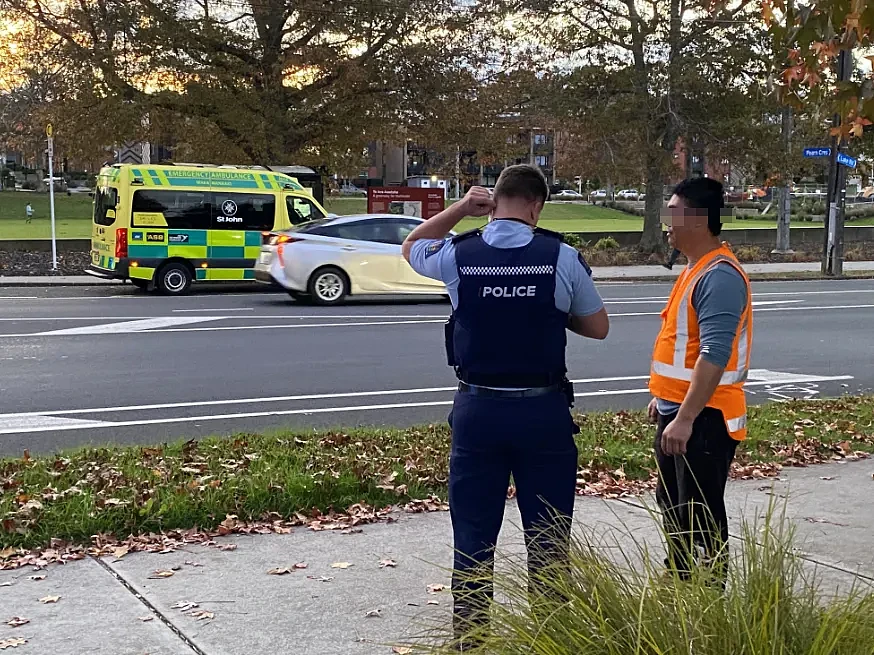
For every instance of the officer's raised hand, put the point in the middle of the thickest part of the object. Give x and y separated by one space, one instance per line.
478 202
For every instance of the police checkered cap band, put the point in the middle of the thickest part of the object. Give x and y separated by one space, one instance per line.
544 269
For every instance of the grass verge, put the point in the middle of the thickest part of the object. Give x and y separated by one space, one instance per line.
614 598
98 497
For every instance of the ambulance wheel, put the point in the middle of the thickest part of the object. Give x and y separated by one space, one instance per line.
174 279
142 285
328 286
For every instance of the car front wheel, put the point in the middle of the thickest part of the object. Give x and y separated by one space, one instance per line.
328 286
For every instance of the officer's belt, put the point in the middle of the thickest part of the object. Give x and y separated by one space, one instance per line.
507 393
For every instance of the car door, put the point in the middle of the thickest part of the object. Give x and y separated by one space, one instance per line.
368 255
410 280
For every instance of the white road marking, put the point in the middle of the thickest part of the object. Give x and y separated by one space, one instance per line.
130 326
317 396
755 295
43 422
290 326
159 325
219 309
11 423
264 317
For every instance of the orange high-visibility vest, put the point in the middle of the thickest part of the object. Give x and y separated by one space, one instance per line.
677 347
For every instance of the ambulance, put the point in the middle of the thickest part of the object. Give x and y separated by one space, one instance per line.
165 227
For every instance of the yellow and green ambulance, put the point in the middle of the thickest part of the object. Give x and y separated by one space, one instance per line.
163 227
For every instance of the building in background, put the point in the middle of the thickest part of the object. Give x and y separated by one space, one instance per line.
398 164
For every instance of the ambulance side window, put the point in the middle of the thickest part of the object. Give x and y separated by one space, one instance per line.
244 211
301 210
182 210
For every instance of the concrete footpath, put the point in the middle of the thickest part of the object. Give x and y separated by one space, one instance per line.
600 273
360 594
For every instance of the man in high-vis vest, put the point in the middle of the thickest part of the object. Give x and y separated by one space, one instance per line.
699 366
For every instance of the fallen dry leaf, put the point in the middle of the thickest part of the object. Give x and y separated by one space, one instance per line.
37 578
202 615
228 547
45 600
183 606
341 565
17 621
377 613
827 477
161 573
146 619
6 584
7 552
284 571
320 578
387 563
301 565
120 552
436 588
433 602
194 564
402 650
14 642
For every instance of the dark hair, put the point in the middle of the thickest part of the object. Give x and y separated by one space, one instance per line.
704 193
522 181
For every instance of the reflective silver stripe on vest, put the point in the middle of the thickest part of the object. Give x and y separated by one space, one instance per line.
735 424
685 374
678 370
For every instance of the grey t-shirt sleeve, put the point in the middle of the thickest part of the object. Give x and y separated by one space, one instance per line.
720 299
575 291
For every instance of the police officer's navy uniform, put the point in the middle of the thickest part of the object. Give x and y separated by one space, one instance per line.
512 289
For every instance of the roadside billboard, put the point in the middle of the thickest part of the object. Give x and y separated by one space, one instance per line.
405 201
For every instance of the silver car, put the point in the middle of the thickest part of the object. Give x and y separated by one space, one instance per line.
328 259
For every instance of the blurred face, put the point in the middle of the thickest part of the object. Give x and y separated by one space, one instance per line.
684 223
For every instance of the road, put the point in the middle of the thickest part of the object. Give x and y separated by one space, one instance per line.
98 365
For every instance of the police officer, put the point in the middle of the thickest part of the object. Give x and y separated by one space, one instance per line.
515 290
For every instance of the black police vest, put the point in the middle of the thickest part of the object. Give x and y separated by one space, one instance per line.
506 330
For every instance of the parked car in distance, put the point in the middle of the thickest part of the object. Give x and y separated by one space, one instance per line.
600 194
328 259
352 190
628 194
567 194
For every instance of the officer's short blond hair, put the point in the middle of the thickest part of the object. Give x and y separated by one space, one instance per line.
522 181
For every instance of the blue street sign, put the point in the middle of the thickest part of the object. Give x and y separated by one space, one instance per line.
846 160
817 152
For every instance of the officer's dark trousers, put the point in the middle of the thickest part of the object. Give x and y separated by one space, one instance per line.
690 493
532 438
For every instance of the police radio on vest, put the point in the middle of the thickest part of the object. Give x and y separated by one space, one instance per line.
509 292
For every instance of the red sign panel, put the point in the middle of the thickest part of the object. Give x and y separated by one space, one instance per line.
405 201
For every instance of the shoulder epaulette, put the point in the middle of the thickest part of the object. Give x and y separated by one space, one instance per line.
466 235
549 233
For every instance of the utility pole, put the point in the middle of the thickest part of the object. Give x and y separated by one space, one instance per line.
50 134
833 238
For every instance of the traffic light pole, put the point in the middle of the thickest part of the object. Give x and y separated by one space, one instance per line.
833 237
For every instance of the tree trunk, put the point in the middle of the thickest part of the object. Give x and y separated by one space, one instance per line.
784 198
652 239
